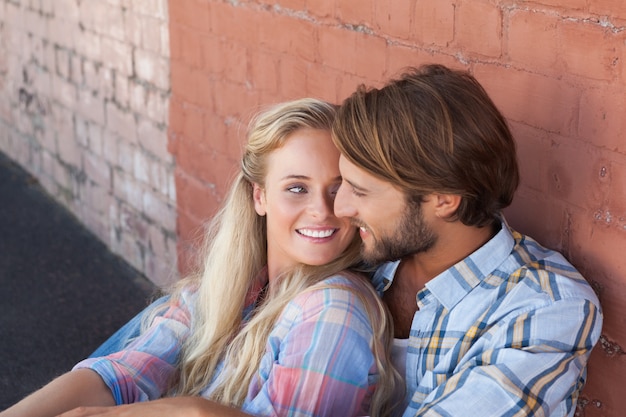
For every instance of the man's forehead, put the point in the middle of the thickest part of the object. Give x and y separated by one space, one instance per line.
360 178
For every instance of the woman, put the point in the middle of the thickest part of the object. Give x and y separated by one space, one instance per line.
273 324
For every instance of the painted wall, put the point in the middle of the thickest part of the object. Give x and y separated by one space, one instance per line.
555 68
84 95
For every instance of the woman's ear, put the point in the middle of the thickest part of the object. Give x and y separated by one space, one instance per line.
447 205
258 195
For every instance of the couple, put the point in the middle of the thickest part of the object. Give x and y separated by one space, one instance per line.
466 317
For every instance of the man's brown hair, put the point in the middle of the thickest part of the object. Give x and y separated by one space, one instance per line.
433 130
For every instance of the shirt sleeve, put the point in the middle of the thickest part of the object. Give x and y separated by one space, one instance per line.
532 363
145 369
319 360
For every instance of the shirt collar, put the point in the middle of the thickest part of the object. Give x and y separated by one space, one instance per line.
453 284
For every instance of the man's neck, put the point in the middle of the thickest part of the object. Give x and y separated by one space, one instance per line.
456 242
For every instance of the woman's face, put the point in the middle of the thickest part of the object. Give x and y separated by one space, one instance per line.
297 200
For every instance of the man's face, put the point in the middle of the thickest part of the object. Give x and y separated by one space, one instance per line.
390 227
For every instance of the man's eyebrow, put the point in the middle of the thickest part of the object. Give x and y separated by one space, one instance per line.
356 187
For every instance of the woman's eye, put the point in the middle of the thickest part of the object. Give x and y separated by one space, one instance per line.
296 189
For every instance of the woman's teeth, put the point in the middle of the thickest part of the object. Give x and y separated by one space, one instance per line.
316 233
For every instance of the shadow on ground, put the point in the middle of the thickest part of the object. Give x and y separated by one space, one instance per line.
62 292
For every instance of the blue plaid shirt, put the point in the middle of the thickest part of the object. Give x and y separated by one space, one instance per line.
505 332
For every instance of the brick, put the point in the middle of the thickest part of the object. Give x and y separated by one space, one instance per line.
391 18
229 61
141 167
323 82
484 38
191 86
238 23
102 18
157 104
188 46
613 8
42 85
96 139
300 41
88 44
151 34
68 150
433 22
131 250
192 13
292 77
294 5
121 122
152 68
133 223
165 39
64 92
264 70
348 85
159 210
322 8
356 12
539 101
533 40
231 99
96 223
67 8
90 106
95 197
157 9
121 93
370 57
122 153
601 115
161 272
589 50
153 139
533 152
342 58
34 23
128 190
62 59
200 203
215 132
133 28
117 55
76 69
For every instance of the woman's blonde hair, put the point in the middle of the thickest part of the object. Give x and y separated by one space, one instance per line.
234 255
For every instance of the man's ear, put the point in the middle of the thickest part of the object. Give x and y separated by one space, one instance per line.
258 195
446 205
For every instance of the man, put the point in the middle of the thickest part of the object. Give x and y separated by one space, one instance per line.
496 324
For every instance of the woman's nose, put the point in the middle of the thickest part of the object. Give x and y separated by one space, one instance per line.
322 205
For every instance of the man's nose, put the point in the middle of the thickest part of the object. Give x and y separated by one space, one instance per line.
343 206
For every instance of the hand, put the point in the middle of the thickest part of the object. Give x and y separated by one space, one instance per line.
166 407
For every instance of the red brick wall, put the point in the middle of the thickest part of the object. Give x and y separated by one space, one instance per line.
555 68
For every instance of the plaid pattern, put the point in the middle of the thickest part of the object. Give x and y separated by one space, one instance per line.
318 360
505 332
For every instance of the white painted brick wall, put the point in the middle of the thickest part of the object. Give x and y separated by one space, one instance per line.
84 99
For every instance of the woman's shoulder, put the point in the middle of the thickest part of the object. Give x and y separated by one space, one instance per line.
345 290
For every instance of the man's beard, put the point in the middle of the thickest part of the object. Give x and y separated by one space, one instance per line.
412 235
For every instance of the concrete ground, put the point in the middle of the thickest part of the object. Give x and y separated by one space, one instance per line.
62 292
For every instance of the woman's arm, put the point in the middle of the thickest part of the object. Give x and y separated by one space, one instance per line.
82 387
167 407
